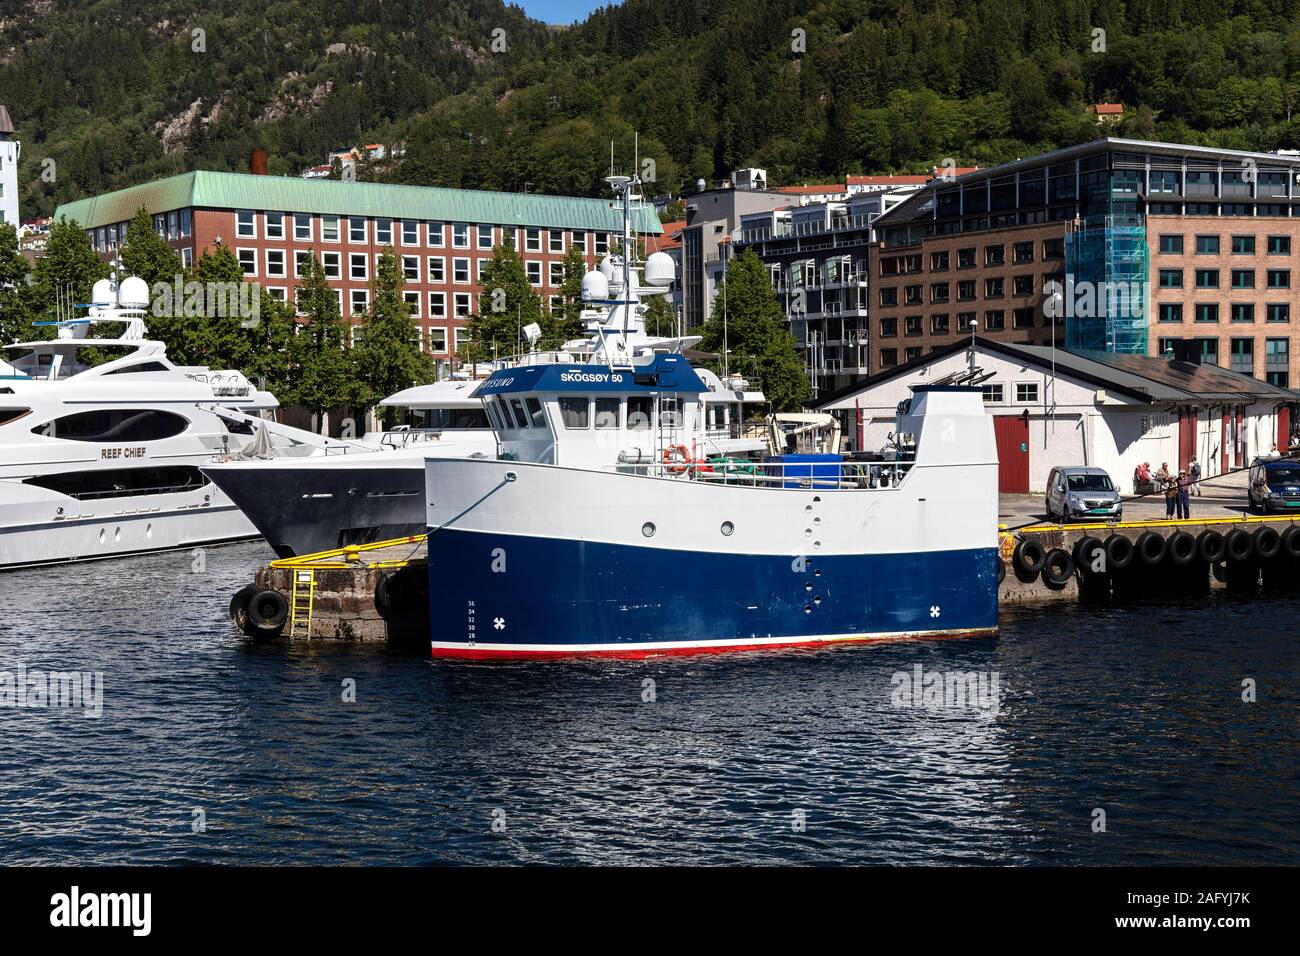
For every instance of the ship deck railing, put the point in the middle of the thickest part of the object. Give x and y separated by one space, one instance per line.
738 472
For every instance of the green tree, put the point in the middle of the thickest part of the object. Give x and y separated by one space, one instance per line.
507 305
747 320
565 322
388 358
660 317
320 354
147 255
16 314
68 270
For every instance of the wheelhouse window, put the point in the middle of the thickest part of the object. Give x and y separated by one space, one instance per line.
115 425
521 416
607 412
536 412
575 411
122 482
640 412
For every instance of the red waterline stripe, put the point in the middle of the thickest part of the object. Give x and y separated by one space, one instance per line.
641 653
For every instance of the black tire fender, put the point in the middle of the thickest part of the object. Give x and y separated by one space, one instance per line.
1085 554
1120 551
1239 545
1211 546
1151 547
1267 542
1182 547
1002 569
1291 541
267 611
1029 556
1058 568
239 605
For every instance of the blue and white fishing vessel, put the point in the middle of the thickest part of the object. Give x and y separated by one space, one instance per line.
599 529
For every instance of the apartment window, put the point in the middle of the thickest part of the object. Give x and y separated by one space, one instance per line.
1207 245
913 325
1022 318
1241 356
555 240
965 258
1207 312
332 262
360 300
384 232
995 320
437 305
275 263
912 295
460 235
938 292
187 224
1023 285
965 290
1171 312
602 243
1171 278
1026 393
993 288
889 296
436 234
1207 278
411 268
532 240
992 394
888 357
912 353
274 225
300 259
187 257
1171 245
245 224
329 228
1022 252
358 266
356 229
1279 245
1278 312
410 232
1243 245
579 240
460 271
438 338
994 255
939 325
965 320
888 328
1277 361
534 270
437 269
412 303
1243 278
1243 312
247 261
302 226
278 292
557 274
463 304
1279 278
1053 248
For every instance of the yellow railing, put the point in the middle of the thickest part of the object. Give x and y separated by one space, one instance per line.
351 556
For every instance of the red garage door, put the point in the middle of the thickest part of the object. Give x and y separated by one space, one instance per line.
1012 433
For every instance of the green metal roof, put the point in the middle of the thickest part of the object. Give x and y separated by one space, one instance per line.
208 190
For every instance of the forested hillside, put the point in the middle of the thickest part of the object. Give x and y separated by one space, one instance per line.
809 89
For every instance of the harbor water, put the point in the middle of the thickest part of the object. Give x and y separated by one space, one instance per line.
208 749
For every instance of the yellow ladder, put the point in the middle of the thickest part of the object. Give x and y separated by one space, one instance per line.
300 604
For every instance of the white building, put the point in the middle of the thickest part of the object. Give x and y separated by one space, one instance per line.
10 151
1054 407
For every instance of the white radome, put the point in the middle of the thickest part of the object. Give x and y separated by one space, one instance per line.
133 293
660 269
595 285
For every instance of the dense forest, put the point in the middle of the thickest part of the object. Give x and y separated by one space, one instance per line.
809 89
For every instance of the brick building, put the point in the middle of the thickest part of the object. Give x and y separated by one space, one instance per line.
441 237
1188 247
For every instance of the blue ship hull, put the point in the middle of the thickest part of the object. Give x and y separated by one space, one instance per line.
508 596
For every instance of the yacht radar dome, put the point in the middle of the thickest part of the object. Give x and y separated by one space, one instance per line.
659 269
133 293
595 286
103 294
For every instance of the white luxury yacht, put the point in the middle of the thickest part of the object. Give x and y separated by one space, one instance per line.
102 439
319 504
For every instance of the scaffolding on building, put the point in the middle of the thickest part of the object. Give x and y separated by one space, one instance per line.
1106 285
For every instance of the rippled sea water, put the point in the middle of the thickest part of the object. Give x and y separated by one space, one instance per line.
1137 712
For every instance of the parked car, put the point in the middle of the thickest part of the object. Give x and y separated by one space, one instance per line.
1081 491
1274 486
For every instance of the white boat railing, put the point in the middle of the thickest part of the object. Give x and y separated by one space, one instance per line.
762 474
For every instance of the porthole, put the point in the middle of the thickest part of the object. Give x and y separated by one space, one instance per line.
648 529
727 528
817 520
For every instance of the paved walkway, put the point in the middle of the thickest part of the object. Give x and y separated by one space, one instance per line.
1223 497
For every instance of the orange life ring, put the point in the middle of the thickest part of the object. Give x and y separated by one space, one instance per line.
677 458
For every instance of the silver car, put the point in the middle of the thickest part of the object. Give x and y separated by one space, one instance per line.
1082 492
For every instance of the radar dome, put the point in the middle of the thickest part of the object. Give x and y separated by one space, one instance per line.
607 268
103 293
660 269
595 286
133 293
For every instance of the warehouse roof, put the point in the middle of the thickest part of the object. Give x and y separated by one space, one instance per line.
209 190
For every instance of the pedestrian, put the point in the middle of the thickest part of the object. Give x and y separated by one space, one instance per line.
1184 483
1194 469
1166 483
